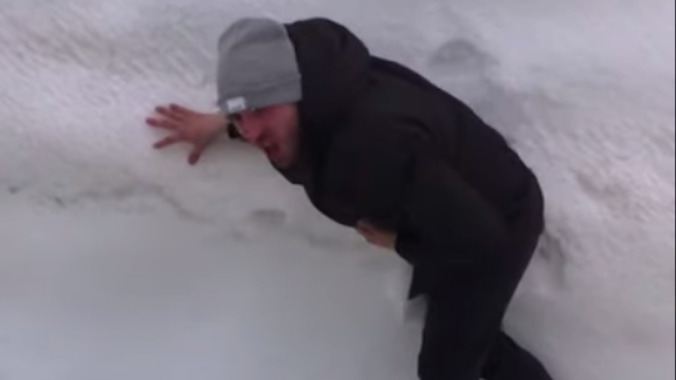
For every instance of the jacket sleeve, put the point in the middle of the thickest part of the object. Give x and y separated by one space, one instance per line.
444 220
397 182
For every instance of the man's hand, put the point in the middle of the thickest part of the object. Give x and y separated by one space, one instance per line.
186 125
377 236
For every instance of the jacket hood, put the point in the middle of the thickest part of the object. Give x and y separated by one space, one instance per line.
334 66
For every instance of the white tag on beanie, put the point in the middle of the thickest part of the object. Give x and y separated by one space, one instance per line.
236 105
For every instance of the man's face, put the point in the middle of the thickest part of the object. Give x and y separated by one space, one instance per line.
273 129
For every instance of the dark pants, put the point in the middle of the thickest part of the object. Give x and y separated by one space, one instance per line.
462 338
457 348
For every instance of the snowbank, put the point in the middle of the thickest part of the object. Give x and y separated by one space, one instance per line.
123 262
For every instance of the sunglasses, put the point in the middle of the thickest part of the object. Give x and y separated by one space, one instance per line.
235 120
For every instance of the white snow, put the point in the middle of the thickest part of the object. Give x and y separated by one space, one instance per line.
120 262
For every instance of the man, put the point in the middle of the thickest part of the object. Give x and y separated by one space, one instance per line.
379 148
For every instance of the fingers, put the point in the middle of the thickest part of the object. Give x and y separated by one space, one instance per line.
173 118
180 109
196 154
167 124
366 232
170 113
365 227
167 141
369 238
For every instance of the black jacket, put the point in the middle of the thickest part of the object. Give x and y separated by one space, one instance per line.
379 142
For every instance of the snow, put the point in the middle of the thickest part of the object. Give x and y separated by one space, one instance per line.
123 262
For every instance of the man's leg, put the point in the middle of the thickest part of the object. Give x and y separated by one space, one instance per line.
464 314
462 334
508 361
462 338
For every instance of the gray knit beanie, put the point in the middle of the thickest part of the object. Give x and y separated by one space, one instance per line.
257 66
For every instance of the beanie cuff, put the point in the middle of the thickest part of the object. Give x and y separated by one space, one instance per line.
288 91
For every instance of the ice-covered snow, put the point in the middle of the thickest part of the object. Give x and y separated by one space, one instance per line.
120 262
